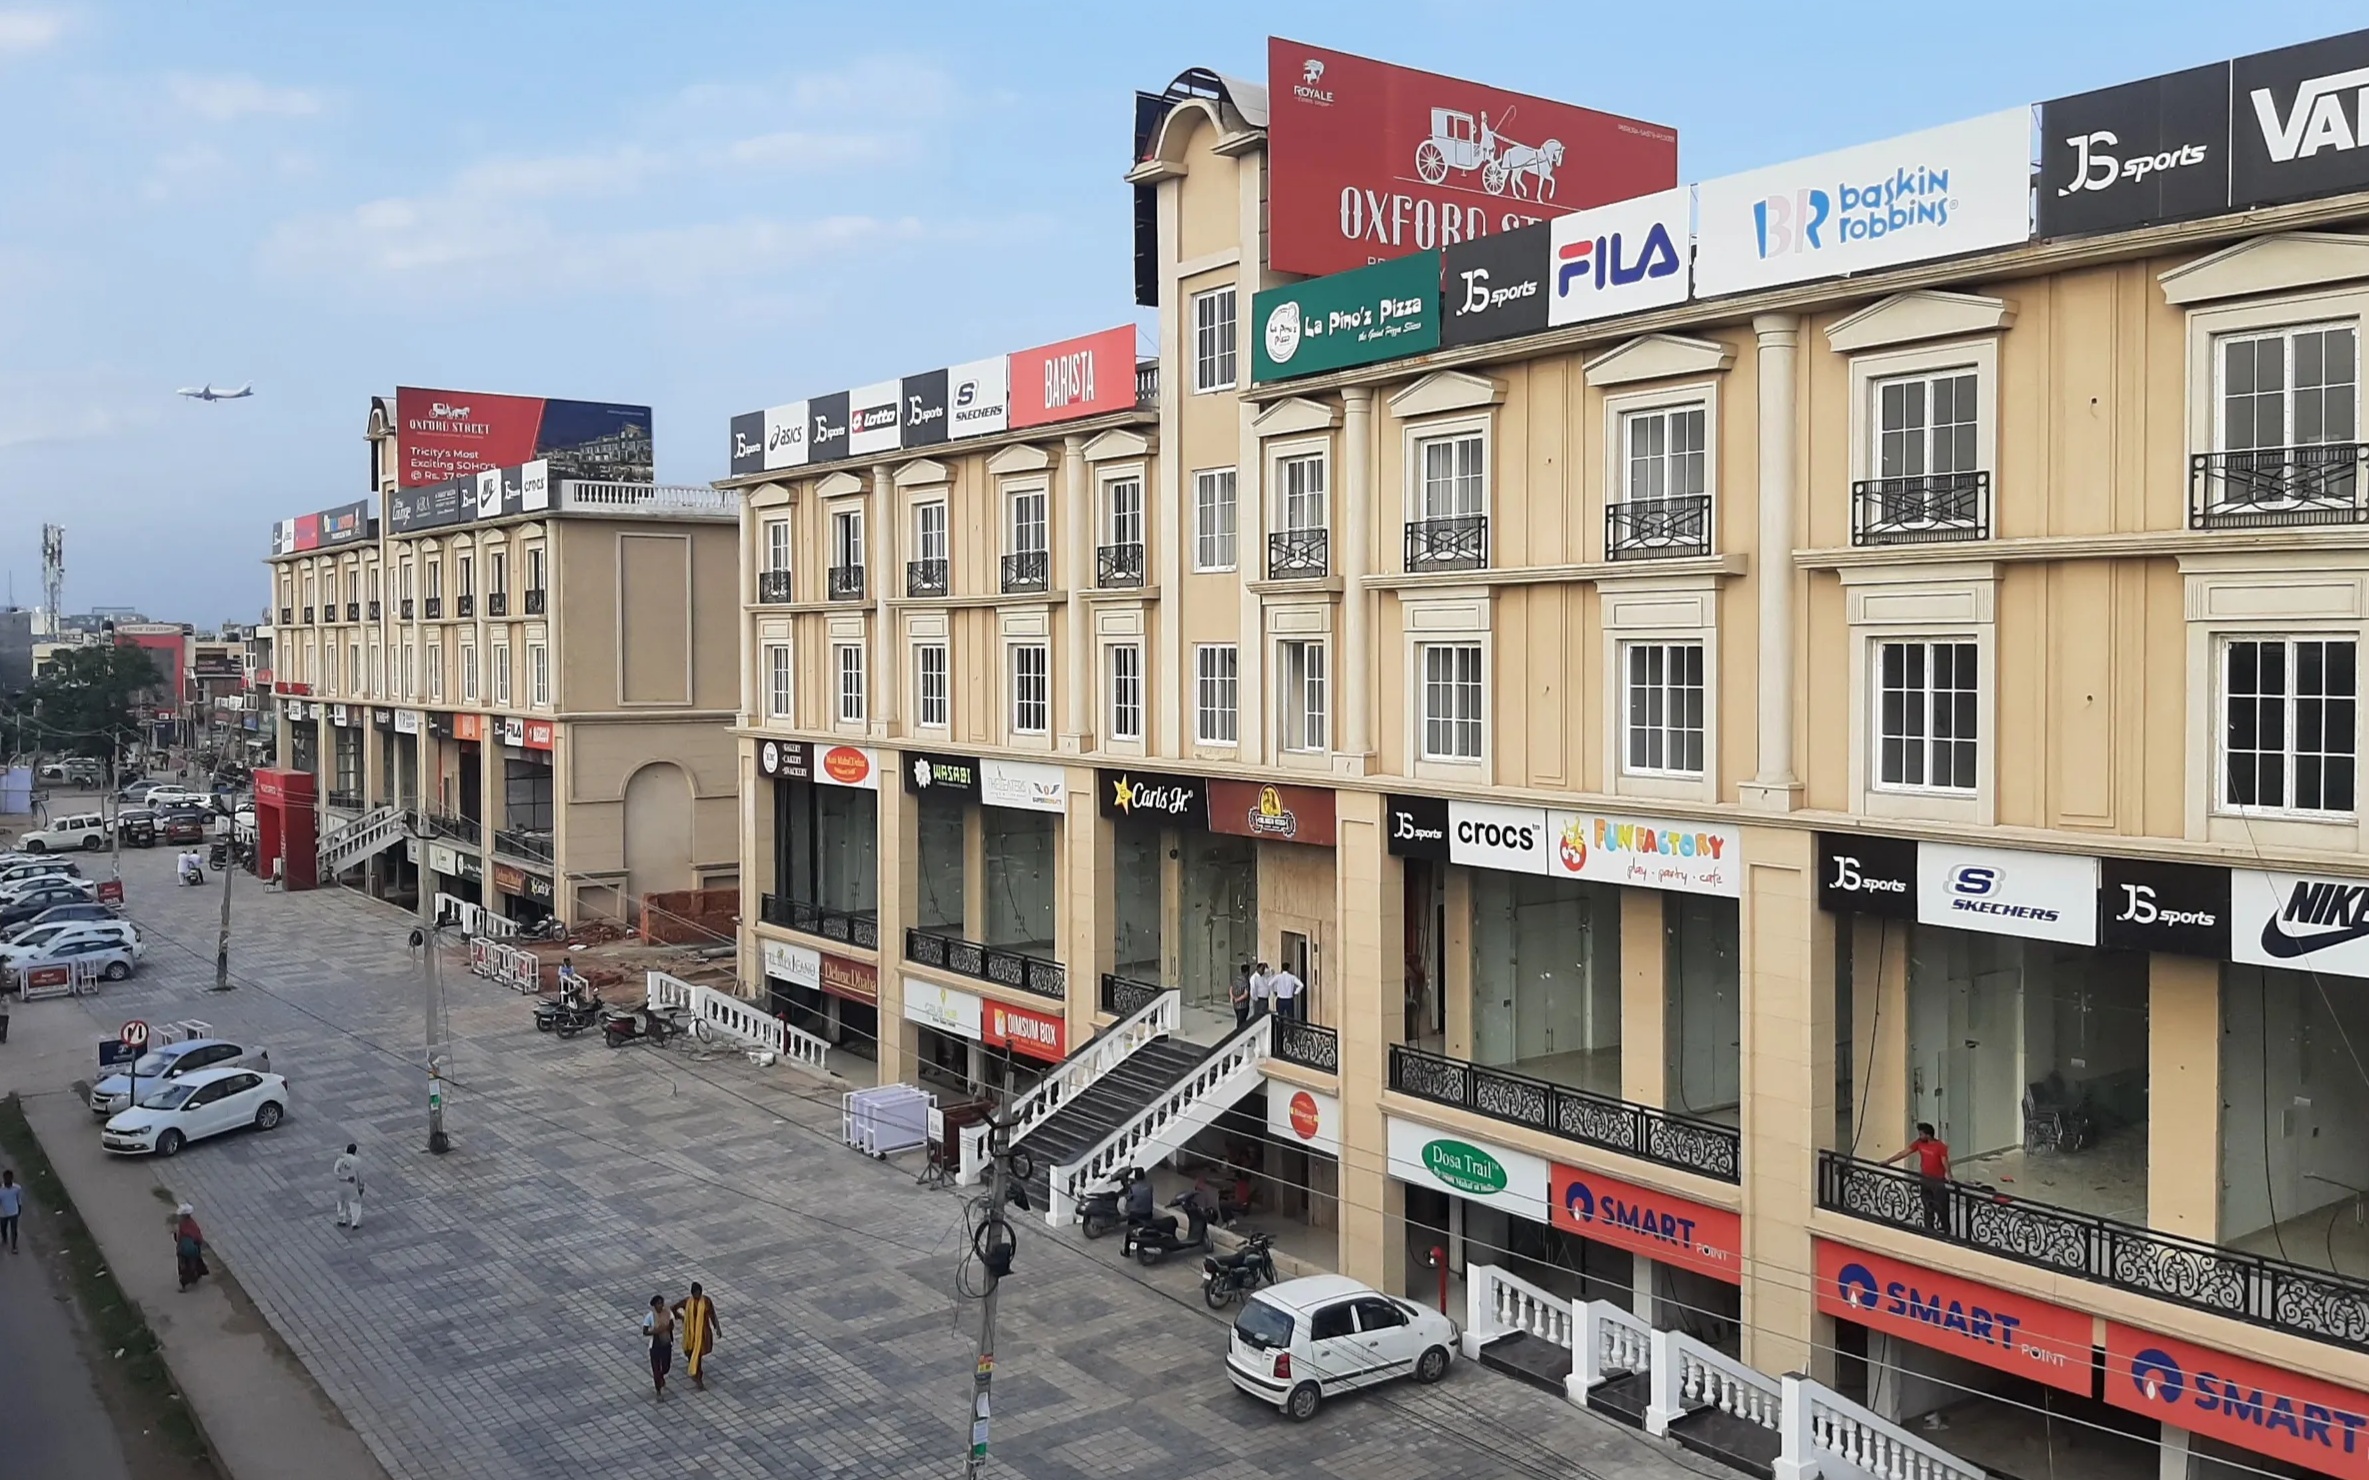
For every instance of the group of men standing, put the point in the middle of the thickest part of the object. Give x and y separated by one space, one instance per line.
1258 990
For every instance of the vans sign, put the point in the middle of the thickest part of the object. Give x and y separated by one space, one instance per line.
2299 125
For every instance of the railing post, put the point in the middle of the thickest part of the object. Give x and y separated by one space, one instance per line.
1664 1405
1587 1351
1796 1456
1480 1309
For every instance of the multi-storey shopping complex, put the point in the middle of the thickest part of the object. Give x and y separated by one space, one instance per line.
1694 689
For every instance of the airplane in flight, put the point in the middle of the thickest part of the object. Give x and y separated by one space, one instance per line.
207 392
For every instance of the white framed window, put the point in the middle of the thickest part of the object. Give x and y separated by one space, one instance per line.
1122 511
501 666
1213 340
2290 711
538 675
849 657
497 573
402 582
534 568
353 667
930 688
1126 691
1451 476
1662 725
777 545
378 670
1300 695
1032 688
1665 453
1300 493
1216 672
777 680
1927 697
929 530
435 580
847 539
1025 533
1214 519
2297 386
1452 701
1926 424
465 572
435 669
468 671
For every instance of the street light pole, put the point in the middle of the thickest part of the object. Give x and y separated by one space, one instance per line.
230 869
995 1254
432 990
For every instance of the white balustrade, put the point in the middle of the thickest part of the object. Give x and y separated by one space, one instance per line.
1611 1341
1688 1375
1182 1111
1499 1303
1073 1076
1822 1426
737 1018
472 919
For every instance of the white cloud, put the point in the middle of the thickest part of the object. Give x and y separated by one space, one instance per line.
23 31
193 170
227 99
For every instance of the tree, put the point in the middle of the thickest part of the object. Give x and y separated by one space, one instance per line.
84 704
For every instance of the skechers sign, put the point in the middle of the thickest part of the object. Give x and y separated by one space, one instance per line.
1959 188
1384 312
2003 891
1621 258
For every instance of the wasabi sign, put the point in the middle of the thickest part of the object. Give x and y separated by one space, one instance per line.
1383 312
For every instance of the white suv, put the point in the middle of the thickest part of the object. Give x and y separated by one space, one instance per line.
87 830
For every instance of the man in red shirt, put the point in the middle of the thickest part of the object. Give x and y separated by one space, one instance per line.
1932 1154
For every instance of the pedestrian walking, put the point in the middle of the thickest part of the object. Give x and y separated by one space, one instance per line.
189 1245
347 1169
12 1204
1261 993
1241 995
659 1326
1285 987
700 1330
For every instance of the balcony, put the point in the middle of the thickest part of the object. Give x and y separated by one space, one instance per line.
443 825
1028 570
497 603
308 616
772 586
1123 996
523 843
1299 554
353 611
645 500
845 926
346 798
1927 509
845 583
925 577
535 598
287 616
404 611
1457 543
1658 528
376 610
1006 968
2272 486
2248 1287
1307 1045
464 605
1703 1147
432 608
1118 566
1147 385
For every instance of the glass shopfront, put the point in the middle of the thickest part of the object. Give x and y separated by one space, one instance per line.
1005 815
941 851
1546 982
1704 1024
1137 851
826 826
1019 850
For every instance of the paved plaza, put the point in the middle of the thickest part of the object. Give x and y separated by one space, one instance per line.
484 1323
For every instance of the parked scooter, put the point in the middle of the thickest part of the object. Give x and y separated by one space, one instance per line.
643 1024
1103 1209
571 1015
1150 1243
1226 1278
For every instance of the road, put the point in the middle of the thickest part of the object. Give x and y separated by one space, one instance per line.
56 1427
483 1323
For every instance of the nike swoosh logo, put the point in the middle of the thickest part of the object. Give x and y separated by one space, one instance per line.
2277 942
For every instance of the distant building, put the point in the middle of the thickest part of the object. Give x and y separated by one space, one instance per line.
16 650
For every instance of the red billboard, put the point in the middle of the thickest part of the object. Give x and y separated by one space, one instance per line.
2256 1407
1089 376
1367 161
1946 1313
443 435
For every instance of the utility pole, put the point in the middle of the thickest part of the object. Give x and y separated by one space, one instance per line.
994 1247
432 989
230 870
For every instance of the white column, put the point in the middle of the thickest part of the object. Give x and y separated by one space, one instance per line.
886 576
1357 498
1078 540
1775 787
751 551
2172 1462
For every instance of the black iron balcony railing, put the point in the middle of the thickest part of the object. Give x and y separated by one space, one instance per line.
2325 484
846 583
1118 566
1658 528
1307 1045
353 611
1299 554
1460 542
376 610
522 843
287 616
772 586
464 605
925 578
308 616
848 927
497 603
445 825
1927 509
1124 995
536 596
432 608
348 799
1704 1147
2248 1287
987 963
1028 570
405 611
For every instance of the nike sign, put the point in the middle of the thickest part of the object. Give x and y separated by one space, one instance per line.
2340 910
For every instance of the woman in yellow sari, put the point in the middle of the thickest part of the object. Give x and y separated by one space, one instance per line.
700 1329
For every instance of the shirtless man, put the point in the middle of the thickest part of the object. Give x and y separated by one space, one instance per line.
659 1326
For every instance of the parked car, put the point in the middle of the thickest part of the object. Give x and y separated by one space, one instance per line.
137 791
50 942
36 867
1303 1341
23 907
112 959
136 827
182 825
78 830
58 914
173 1061
78 772
177 796
194 1107
33 879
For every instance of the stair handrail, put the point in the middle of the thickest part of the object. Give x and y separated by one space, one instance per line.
1235 1058
1689 1374
344 833
474 919
1821 1424
1498 1302
1611 1340
738 1018
1155 1019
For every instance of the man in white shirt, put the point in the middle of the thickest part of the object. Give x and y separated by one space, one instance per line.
347 1169
1261 993
1285 988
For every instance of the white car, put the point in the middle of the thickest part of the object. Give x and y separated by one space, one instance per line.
111 959
194 1107
87 830
42 943
1300 1342
170 1062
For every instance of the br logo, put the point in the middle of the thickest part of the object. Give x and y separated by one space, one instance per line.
2157 1374
1857 1285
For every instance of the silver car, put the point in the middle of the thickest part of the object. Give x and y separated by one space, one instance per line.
170 1062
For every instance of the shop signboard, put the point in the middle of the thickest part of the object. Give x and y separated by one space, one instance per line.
539 734
2300 121
1621 258
826 423
857 981
1496 1175
1367 314
443 859
922 421
932 774
942 1008
978 397
1962 187
1308 1118
1690 858
472 867
1026 786
1035 1035
2135 154
833 765
1092 375
1660 1225
1417 827
509 879
747 454
2299 922
407 721
800 966
383 719
872 418
1487 835
785 432
468 727
2008 891
2255 1407
1859 873
2182 908
785 760
1494 287
1946 1313
513 730
1287 814
1153 796
539 888
339 714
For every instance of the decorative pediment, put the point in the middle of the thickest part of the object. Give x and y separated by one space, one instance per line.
922 472
772 496
2269 264
1658 357
1907 318
839 485
1444 391
1020 457
1117 443
1291 417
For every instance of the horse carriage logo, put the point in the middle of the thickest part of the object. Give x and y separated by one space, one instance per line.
1465 142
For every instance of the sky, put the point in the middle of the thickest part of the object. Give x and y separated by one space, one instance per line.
715 207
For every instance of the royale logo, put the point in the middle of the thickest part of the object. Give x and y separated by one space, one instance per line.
1601 262
1813 219
1306 90
1479 297
2317 120
2095 169
1069 379
2333 914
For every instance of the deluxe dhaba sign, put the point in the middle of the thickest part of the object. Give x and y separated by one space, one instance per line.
1383 312
1497 1175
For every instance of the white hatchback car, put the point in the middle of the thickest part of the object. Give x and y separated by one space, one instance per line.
1300 1342
173 1061
196 1106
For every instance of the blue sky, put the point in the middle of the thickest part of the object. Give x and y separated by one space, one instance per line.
716 207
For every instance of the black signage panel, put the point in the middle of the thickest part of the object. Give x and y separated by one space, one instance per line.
826 417
1417 827
748 443
924 421
2182 908
2298 114
1154 796
785 760
538 888
926 772
1858 874
1495 287
383 718
2147 151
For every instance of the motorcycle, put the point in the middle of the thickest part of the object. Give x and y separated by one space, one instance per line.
644 1024
1226 1278
568 1016
218 856
193 873
1150 1243
1103 1209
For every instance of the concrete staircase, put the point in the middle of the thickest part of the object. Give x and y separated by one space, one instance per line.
373 832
